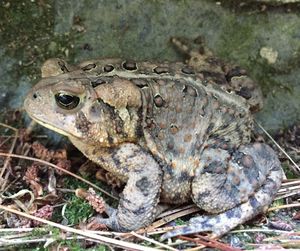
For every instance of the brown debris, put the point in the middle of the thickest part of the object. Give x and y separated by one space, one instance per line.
297 216
94 225
207 242
93 199
14 221
44 212
108 178
58 157
31 178
280 225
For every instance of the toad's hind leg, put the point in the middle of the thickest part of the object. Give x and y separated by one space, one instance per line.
234 187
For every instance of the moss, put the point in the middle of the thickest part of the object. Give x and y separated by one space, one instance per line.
27 33
77 210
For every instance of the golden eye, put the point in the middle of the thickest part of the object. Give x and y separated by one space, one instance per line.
67 101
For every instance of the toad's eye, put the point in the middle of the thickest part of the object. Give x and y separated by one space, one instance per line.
66 101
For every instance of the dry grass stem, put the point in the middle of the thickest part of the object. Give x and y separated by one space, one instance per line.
284 206
92 236
153 241
171 217
61 169
279 147
6 163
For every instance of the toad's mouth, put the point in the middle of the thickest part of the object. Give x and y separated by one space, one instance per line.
45 123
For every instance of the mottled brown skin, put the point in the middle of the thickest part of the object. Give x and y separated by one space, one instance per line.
169 131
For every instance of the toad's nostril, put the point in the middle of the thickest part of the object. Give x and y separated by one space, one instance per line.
34 95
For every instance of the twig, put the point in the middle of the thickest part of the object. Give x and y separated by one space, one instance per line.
59 168
278 197
284 206
93 236
279 147
5 165
6 242
169 218
205 241
177 209
153 241
259 230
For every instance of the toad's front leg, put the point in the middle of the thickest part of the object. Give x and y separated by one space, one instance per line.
139 199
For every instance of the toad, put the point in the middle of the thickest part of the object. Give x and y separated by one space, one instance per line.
172 132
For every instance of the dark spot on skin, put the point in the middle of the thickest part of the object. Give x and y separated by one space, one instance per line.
202 195
225 125
217 219
214 166
160 70
176 196
253 202
190 91
206 225
235 72
161 135
276 168
174 129
139 131
247 161
139 82
270 187
129 65
168 169
97 82
119 125
108 68
237 156
245 92
88 67
115 159
188 70
100 159
218 78
93 109
236 180
148 122
110 139
187 138
34 96
233 213
82 124
140 211
143 185
63 66
171 145
210 127
184 176
119 129
158 100
132 155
